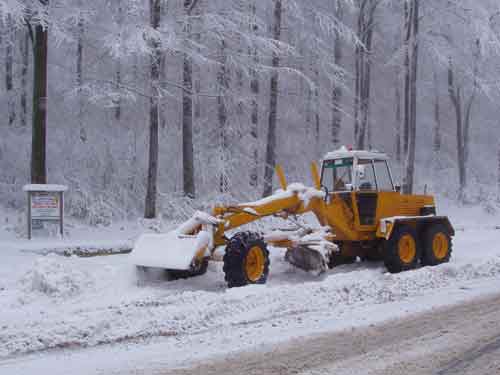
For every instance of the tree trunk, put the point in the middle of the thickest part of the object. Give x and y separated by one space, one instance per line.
254 114
411 95
187 129
273 107
38 145
410 164
455 95
79 79
397 94
498 173
25 51
406 70
463 120
9 73
316 91
197 73
154 114
337 87
223 83
358 56
363 72
364 131
187 117
436 144
118 73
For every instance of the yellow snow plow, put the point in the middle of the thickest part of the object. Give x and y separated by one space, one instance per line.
360 212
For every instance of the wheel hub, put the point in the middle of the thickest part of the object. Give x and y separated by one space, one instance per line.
440 245
407 248
254 264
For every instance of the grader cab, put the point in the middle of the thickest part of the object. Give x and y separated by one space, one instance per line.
360 211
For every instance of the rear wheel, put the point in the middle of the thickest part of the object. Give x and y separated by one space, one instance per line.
437 245
402 250
246 260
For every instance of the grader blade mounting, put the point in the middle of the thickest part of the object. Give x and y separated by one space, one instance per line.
307 259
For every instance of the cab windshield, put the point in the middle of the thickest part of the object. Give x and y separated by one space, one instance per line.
337 174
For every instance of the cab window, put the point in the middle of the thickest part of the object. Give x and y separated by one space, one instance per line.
366 176
384 180
337 174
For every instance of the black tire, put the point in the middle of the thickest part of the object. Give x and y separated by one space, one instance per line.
337 259
235 259
429 256
393 258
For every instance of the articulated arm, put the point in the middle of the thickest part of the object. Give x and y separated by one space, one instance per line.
288 202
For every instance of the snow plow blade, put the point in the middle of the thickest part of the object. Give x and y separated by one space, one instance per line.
307 259
172 251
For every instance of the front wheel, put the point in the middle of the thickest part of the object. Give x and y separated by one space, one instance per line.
246 260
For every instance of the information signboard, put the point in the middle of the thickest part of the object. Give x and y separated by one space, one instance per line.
45 204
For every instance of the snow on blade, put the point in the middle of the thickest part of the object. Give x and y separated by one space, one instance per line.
177 249
169 251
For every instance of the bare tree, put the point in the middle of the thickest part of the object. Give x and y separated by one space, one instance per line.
397 99
436 142
187 111
25 55
9 73
410 116
223 84
255 91
79 76
337 88
363 64
463 111
498 173
273 106
154 114
39 36
118 73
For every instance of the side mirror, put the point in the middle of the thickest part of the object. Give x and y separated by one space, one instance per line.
398 188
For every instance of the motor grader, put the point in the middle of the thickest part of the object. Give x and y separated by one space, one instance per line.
360 211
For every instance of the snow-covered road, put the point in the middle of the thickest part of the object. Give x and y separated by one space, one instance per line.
461 339
51 303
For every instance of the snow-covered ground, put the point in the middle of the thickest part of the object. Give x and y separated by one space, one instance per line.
61 313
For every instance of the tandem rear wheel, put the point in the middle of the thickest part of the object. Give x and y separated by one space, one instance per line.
407 247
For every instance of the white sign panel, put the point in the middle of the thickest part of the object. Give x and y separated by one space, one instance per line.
45 206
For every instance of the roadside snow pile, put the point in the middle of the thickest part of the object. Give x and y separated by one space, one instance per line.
60 302
52 278
183 308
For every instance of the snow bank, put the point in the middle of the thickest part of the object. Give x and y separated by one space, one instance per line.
52 278
186 307
59 302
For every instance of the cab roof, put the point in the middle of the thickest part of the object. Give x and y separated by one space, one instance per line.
343 152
